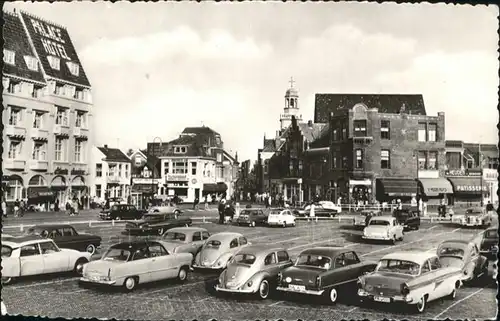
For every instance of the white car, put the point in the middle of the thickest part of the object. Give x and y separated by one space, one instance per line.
383 228
473 217
32 255
280 217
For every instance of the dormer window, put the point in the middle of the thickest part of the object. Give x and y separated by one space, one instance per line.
74 68
54 62
180 149
9 57
31 62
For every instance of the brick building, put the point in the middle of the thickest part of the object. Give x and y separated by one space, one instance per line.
47 113
378 146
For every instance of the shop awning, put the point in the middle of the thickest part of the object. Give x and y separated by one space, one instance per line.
39 191
397 186
436 186
145 188
215 188
467 185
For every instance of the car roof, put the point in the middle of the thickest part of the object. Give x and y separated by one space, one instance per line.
383 217
15 242
259 249
190 229
461 242
226 235
330 251
50 226
133 245
418 257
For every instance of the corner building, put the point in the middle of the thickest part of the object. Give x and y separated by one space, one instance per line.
47 113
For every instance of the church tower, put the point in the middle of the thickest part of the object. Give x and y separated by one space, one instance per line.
291 107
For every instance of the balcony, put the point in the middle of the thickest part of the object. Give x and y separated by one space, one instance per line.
80 132
79 169
113 179
362 140
39 134
15 131
60 167
38 165
61 130
14 164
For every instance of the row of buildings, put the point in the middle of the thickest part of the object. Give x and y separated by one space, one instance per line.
373 148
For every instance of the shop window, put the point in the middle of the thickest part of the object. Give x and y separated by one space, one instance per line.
98 190
432 132
432 164
360 128
385 129
422 137
385 159
422 160
359 158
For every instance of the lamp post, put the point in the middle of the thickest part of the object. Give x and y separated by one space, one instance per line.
480 159
415 156
154 166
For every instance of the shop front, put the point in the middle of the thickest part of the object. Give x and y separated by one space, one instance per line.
468 190
78 188
176 185
434 191
214 189
490 179
60 189
12 188
360 191
389 189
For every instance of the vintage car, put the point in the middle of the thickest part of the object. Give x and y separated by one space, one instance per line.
489 244
65 236
409 218
414 278
252 217
121 211
321 209
32 255
128 264
464 255
360 219
280 217
472 217
323 271
219 249
155 224
383 228
254 269
185 239
165 209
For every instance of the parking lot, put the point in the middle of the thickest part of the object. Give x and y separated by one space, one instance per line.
60 296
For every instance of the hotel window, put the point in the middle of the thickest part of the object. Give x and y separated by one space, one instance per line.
422 160
432 164
31 63
385 159
344 162
59 149
119 170
37 119
15 116
166 168
74 69
385 129
334 160
193 168
78 151
98 190
180 149
126 170
98 170
78 94
80 119
39 152
14 87
344 133
422 132
335 138
9 57
180 167
60 89
62 116
54 62
69 91
360 128
359 158
432 136
14 149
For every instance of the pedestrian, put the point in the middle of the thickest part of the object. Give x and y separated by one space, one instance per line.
206 202
22 208
4 208
56 205
69 210
195 203
221 211
16 207
368 218
311 211
489 207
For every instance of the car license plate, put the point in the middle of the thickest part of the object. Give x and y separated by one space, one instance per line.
381 299
297 287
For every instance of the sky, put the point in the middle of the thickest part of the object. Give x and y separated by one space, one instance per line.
156 68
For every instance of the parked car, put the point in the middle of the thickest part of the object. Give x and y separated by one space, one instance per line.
489 244
413 278
321 209
476 216
33 255
409 218
252 217
280 217
165 209
65 236
254 269
464 255
360 219
323 271
219 249
155 224
383 228
128 264
185 239
121 211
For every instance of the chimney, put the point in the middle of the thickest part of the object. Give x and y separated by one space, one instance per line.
310 123
106 146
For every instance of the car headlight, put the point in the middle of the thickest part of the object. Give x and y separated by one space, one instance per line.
288 280
369 287
249 284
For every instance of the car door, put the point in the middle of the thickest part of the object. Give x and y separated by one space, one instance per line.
284 260
271 265
195 243
30 259
142 264
161 264
71 239
475 260
242 241
54 260
56 234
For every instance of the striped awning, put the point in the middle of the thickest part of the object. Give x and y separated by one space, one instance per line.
397 186
435 186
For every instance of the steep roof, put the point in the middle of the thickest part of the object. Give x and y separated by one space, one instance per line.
386 103
16 39
50 39
322 139
269 145
199 130
113 154
311 132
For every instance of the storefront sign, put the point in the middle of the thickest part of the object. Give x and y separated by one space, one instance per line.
51 37
176 178
490 174
464 172
354 182
401 194
146 181
437 190
77 172
470 188
61 171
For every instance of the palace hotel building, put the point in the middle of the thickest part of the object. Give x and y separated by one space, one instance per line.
47 113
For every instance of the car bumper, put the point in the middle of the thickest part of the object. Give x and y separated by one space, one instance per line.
275 223
207 267
245 291
376 237
309 292
384 299
93 281
360 224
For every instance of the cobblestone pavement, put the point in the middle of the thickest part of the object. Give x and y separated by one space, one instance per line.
60 295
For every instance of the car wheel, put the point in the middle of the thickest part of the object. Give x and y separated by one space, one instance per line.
78 268
333 295
90 249
252 224
420 306
183 274
393 241
176 212
130 283
264 289
416 227
7 280
284 224
160 231
118 218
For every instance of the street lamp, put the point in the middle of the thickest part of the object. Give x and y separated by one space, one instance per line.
154 167
415 156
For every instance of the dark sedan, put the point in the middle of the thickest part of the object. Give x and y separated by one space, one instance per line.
122 211
156 224
252 217
65 236
489 244
409 218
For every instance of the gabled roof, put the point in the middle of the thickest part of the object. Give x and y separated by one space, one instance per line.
323 139
199 130
269 145
16 39
311 133
113 154
386 103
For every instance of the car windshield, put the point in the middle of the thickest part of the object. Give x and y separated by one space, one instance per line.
365 213
275 213
6 251
213 244
114 208
314 260
451 251
379 222
398 266
246 212
116 254
175 236
492 234
247 259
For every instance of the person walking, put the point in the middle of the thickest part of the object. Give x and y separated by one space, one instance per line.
4 208
196 202
311 211
221 211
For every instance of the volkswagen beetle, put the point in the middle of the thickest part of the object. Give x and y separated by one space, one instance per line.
219 250
464 255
